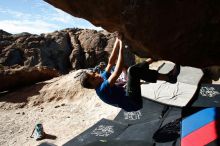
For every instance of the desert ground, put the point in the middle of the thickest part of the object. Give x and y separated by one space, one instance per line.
61 105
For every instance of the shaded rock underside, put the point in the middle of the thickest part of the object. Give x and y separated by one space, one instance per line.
185 32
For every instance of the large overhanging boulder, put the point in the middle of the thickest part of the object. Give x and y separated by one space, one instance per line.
185 32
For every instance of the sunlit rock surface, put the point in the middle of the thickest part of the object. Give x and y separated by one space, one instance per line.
28 58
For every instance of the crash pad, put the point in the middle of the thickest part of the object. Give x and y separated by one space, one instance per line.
151 111
208 96
102 130
201 128
175 94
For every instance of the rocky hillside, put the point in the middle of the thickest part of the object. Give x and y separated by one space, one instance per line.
28 58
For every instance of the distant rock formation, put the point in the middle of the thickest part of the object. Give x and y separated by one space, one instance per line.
14 78
60 51
185 32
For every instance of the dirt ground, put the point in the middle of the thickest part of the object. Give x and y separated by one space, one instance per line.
60 121
61 105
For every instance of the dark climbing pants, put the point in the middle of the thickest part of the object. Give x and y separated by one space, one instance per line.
136 73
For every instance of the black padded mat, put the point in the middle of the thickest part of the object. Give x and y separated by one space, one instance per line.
207 96
162 131
142 131
169 130
171 143
119 143
151 111
102 130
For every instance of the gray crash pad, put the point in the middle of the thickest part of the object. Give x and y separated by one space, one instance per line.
178 94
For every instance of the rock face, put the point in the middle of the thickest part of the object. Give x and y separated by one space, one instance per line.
186 32
60 51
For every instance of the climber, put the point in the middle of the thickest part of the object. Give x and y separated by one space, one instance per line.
105 85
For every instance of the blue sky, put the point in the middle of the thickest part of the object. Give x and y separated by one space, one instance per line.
36 16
